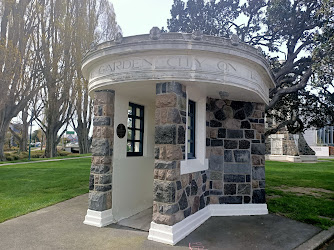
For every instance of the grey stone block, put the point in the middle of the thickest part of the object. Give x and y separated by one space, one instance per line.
216 192
187 212
221 133
259 196
237 168
215 124
247 199
234 178
249 134
183 202
262 184
101 147
230 189
201 202
230 144
171 209
91 182
105 179
240 115
165 134
164 191
241 156
97 201
103 188
174 116
181 135
230 200
234 133
244 144
100 169
156 152
216 163
194 187
258 173
188 191
228 156
236 105
258 149
244 189
220 115
175 87
165 164
245 124
178 185
248 108
217 143
216 175
102 121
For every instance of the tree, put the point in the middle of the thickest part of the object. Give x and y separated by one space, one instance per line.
22 135
18 72
323 67
54 43
278 26
102 26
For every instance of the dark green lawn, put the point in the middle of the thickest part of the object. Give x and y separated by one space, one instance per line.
316 205
29 187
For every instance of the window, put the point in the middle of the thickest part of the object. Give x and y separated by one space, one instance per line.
135 130
191 129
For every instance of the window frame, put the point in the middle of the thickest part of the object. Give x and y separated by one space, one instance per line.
133 129
191 152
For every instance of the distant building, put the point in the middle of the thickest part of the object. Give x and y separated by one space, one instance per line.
321 140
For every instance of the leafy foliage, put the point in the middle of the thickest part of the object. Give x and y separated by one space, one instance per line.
280 27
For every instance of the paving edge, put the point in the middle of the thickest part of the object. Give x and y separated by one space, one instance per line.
317 240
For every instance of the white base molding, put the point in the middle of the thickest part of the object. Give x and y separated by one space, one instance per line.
290 158
173 234
98 218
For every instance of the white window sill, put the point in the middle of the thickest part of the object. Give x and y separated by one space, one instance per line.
194 165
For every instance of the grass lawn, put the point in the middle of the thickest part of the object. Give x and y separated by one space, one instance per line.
29 187
302 191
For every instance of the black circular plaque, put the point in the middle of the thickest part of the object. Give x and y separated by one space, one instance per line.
121 130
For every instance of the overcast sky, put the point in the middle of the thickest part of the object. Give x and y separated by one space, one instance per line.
138 16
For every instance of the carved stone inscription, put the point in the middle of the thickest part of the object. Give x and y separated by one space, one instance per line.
178 63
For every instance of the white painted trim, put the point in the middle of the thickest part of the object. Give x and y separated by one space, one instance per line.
98 218
173 234
194 165
238 209
200 163
289 158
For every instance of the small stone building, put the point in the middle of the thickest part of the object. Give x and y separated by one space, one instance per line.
178 130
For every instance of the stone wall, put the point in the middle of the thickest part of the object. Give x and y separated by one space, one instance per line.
100 181
235 148
176 196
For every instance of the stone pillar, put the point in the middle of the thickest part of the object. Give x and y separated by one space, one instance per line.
100 180
170 120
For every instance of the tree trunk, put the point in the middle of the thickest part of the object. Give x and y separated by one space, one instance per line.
25 129
2 143
3 131
42 141
51 143
83 138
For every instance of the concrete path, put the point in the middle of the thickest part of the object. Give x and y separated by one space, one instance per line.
61 227
27 162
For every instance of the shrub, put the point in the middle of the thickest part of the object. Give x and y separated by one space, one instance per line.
63 153
37 154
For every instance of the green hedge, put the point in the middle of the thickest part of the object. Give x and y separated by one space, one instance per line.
14 156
